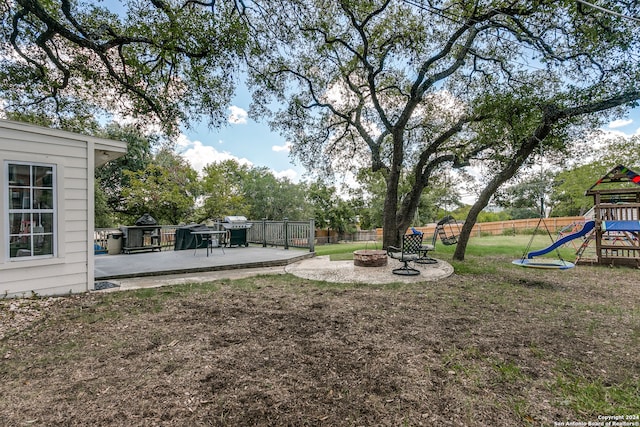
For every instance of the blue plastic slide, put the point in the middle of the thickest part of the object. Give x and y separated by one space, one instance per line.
588 226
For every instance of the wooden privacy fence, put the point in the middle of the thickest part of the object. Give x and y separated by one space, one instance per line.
514 226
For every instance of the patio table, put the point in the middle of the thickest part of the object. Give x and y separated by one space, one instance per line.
207 235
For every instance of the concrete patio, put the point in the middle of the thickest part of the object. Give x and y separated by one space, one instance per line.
322 268
146 264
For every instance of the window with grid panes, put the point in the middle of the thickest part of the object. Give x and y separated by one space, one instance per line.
31 209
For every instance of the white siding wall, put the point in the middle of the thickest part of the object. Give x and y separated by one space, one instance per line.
68 271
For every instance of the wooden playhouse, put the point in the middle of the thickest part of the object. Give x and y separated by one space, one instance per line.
616 201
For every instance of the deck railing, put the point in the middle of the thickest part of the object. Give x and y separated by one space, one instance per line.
101 237
295 234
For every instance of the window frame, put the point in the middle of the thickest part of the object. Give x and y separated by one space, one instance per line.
31 211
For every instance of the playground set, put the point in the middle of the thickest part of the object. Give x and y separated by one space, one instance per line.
613 225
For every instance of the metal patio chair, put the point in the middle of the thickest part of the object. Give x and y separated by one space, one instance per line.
425 248
410 251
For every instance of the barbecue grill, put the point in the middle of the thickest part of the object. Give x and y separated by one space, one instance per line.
144 236
237 227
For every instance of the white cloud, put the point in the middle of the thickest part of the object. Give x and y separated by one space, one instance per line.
238 115
278 148
288 173
606 134
183 142
619 123
199 155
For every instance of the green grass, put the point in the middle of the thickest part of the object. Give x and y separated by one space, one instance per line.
508 372
592 396
344 251
340 248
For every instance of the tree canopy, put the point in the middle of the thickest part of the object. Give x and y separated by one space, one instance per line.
166 188
569 184
165 61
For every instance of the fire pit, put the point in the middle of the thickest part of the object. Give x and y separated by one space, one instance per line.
370 258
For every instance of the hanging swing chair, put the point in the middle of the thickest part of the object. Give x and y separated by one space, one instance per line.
448 230
527 260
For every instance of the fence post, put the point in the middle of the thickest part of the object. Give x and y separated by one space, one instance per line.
286 233
264 232
312 235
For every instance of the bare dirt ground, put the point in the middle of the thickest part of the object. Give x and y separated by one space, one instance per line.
507 347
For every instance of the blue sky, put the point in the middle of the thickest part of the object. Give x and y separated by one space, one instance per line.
628 126
241 139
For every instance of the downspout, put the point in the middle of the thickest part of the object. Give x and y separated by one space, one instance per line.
91 212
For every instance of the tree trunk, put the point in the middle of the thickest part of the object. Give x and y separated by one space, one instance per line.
510 169
399 219
472 217
390 229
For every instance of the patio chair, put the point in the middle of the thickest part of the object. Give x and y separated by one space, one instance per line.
410 251
426 248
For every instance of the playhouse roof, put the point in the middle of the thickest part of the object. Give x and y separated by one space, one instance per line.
618 174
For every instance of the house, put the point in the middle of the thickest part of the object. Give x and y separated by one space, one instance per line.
47 208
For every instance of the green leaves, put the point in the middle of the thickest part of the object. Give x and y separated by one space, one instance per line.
169 61
166 188
414 88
